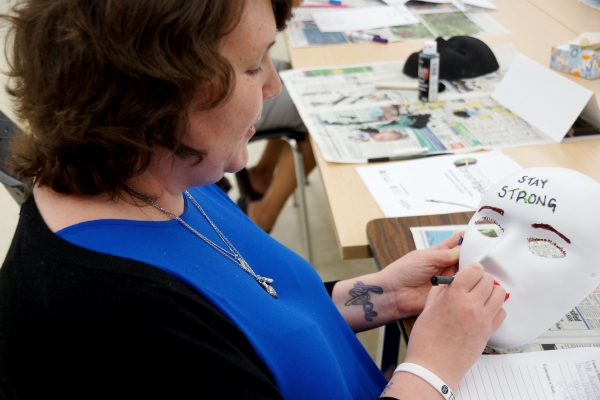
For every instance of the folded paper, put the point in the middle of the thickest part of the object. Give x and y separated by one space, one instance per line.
545 99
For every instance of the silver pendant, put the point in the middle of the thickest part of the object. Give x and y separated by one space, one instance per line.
244 265
265 283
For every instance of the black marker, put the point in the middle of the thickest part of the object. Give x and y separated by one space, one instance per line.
399 158
441 280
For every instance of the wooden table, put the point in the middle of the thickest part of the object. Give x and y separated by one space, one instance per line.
571 14
533 32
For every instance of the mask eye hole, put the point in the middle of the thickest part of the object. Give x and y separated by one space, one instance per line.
545 248
489 227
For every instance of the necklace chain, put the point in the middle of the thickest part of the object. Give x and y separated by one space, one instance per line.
232 254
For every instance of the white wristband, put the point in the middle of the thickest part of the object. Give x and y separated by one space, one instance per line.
428 377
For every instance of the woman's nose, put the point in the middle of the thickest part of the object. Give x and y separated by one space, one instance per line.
272 86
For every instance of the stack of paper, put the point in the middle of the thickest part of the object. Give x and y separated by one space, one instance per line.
559 374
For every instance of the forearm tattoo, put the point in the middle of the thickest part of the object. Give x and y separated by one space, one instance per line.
360 297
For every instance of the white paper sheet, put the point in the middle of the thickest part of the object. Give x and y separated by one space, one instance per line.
358 19
402 188
542 97
558 374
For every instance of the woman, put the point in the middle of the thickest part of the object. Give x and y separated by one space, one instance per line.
120 282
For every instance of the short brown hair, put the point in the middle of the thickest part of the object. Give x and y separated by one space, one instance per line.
101 82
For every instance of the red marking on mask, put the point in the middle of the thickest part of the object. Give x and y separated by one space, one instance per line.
507 294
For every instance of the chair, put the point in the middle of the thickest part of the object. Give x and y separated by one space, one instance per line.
8 129
292 138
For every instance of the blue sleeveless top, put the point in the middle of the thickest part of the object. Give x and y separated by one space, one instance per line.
301 337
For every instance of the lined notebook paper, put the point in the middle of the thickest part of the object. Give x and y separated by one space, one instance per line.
572 374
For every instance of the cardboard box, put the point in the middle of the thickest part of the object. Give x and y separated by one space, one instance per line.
575 60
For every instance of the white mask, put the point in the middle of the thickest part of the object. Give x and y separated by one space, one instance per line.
554 211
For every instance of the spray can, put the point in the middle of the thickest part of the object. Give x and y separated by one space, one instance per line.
429 70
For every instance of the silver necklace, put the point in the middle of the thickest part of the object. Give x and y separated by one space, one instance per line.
232 254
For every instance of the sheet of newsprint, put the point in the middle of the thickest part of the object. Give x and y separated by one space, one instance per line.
579 328
352 122
442 19
435 185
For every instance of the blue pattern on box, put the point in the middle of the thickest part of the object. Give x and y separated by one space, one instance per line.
574 60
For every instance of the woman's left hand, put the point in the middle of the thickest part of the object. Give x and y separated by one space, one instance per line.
410 275
399 290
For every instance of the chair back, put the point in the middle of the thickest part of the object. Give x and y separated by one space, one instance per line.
8 130
277 133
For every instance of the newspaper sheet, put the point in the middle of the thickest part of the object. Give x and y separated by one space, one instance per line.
359 134
579 328
435 20
352 122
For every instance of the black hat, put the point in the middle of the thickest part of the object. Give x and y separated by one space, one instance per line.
460 57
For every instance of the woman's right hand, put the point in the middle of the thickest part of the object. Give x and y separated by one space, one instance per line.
458 319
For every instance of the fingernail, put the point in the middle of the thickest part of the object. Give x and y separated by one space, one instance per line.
460 241
507 294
